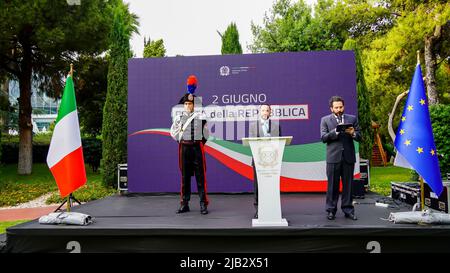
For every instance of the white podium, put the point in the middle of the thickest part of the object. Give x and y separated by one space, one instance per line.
267 156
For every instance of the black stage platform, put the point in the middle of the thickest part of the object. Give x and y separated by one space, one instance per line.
148 223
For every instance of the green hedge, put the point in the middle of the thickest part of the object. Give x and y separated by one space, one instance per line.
92 151
10 153
441 130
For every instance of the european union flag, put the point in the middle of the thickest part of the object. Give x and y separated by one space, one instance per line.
414 140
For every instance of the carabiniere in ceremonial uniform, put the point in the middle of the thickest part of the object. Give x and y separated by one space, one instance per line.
191 133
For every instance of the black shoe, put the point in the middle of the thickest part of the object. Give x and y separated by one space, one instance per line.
203 210
351 216
183 208
331 216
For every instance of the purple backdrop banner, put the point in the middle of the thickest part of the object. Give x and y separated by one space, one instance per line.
298 84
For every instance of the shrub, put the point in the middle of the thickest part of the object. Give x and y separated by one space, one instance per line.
92 151
389 149
440 114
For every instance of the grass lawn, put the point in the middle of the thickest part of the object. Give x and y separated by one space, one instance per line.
381 178
5 225
93 189
15 189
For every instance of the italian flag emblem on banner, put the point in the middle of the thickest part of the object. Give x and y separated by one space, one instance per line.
65 155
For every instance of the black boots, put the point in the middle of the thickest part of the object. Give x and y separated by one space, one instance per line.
183 208
331 215
203 209
351 216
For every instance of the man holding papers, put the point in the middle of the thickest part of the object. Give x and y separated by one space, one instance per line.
338 130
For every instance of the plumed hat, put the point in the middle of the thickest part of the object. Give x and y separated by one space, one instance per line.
187 97
191 84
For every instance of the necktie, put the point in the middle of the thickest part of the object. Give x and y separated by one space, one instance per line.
339 119
266 128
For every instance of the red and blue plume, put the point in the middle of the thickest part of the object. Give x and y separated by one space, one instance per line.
191 84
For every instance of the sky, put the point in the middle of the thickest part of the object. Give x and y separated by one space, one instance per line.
189 27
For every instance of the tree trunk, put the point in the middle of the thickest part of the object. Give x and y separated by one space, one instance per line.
25 164
4 91
5 88
430 64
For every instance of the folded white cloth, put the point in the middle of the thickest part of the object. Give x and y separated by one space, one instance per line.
68 218
420 217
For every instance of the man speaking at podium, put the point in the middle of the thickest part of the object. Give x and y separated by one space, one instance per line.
338 130
263 127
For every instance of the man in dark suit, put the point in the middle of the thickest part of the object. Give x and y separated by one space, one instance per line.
340 157
263 127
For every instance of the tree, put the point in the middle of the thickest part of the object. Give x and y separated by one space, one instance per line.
114 131
360 20
364 115
4 102
433 42
91 82
391 59
154 48
39 39
431 21
439 114
4 105
443 81
291 27
230 40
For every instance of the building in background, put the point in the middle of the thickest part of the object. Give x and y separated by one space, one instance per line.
45 109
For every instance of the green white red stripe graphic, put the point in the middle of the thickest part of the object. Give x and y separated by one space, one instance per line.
303 168
65 155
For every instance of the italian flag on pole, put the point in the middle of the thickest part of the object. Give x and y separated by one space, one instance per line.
65 155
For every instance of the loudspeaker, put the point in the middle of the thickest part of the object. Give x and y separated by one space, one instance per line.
358 189
122 177
364 170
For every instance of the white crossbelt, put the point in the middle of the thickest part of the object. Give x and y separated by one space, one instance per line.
186 125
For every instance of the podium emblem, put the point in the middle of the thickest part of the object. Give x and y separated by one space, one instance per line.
268 156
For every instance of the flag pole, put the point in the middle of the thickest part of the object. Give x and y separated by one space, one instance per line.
68 203
71 70
70 195
422 194
422 188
